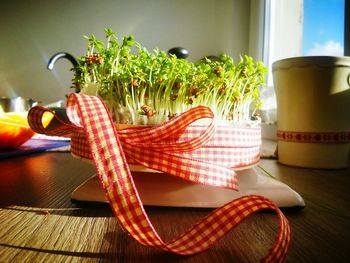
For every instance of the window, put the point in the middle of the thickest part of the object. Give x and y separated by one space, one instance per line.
301 28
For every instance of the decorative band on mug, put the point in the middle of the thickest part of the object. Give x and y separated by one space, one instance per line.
314 137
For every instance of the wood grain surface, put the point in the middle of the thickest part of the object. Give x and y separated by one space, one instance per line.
39 223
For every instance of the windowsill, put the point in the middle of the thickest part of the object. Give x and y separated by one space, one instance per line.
269 131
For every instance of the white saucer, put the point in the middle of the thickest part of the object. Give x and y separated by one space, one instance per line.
158 189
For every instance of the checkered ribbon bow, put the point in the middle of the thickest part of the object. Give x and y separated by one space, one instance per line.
91 123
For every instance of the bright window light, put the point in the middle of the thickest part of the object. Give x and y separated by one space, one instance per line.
295 28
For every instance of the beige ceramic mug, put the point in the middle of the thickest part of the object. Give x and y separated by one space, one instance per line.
313 111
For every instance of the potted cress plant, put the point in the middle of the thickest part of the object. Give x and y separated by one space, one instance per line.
144 87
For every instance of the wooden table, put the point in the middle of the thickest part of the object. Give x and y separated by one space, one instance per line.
39 223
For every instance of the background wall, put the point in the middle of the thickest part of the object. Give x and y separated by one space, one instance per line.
32 31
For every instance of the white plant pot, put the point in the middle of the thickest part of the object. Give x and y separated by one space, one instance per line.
313 117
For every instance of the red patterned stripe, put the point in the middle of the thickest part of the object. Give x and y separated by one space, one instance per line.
314 137
107 152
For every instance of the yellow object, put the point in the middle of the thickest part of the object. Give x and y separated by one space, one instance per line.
15 130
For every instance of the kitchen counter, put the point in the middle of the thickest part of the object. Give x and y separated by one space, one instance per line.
39 223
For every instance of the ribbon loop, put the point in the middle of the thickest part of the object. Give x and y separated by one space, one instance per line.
56 127
162 137
166 130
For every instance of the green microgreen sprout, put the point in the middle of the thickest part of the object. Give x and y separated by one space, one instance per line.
143 87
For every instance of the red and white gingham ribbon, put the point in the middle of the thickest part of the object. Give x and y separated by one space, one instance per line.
92 122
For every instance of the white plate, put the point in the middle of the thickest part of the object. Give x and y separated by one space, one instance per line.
158 189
